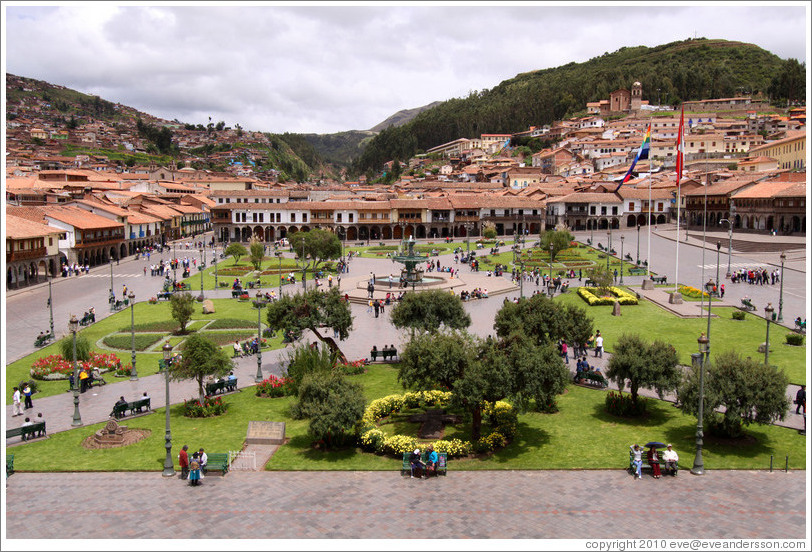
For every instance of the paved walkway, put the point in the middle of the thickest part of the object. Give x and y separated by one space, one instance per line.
607 504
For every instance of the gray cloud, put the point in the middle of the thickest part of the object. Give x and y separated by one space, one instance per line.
332 68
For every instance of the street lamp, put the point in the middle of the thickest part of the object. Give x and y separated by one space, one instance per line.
621 258
718 247
768 314
131 297
609 248
174 263
279 257
729 244
169 466
709 288
201 267
51 302
214 254
112 295
73 326
704 355
259 303
780 295
638 244
551 261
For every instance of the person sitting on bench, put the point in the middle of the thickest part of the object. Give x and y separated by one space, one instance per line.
121 402
431 461
416 463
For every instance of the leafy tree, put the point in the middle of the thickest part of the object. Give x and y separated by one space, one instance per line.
790 83
315 247
82 348
427 310
257 253
305 360
200 359
236 250
182 306
748 390
539 373
334 406
603 278
649 365
560 239
489 231
545 321
312 310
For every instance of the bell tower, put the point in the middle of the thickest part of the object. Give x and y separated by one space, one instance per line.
637 96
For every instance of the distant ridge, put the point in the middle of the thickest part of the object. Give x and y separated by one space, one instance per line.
402 117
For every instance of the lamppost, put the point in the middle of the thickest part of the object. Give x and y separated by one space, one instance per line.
780 294
174 263
638 244
768 314
259 303
112 295
214 254
621 258
169 466
304 267
551 261
73 326
729 244
51 302
704 354
468 227
200 268
609 248
709 288
131 297
718 247
279 257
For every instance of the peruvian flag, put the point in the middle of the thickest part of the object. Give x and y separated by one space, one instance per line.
681 146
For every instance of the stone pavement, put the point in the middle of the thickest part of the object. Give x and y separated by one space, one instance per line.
385 505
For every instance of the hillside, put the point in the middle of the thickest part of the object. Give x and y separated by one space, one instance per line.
402 117
687 70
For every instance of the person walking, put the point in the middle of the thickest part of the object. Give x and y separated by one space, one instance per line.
598 344
27 393
183 461
800 400
17 407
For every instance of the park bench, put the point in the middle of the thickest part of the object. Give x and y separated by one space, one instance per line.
217 461
118 305
224 386
120 410
9 464
590 283
43 339
235 293
385 354
88 318
647 466
165 295
442 463
747 304
658 279
592 378
26 433
637 271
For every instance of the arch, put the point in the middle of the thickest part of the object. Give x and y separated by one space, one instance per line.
737 221
363 233
712 219
615 223
631 221
224 234
51 267
304 228
397 233
269 234
444 232
258 233
770 224
112 254
603 224
386 233
375 233
660 219
408 231
352 233
246 234
535 228
420 232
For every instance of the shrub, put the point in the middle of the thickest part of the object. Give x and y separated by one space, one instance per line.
794 339
230 323
193 408
622 405
153 300
82 347
306 360
738 315
142 341
352 368
273 387
147 327
490 442
54 367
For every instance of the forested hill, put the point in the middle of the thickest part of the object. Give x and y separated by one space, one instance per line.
689 70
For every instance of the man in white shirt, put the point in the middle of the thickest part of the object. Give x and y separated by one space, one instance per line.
671 458
17 408
599 345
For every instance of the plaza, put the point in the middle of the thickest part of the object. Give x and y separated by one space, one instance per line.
530 504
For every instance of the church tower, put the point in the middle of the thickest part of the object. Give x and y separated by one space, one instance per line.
637 96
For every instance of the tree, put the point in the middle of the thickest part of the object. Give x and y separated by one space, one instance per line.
539 372
82 348
603 278
315 247
236 250
312 310
305 360
560 239
182 305
334 406
544 320
201 358
257 253
427 310
748 391
648 365
489 231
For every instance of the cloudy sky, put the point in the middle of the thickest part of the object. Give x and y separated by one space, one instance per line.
327 68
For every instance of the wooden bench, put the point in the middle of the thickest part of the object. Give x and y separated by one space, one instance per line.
216 387
388 355
748 305
165 295
26 433
120 410
442 463
217 461
590 283
637 271
9 464
592 378
647 466
658 279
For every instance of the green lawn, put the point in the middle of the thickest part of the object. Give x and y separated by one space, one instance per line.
148 317
742 335
580 436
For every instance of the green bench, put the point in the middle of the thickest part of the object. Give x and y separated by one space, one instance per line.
385 354
442 463
217 461
224 386
120 410
26 433
9 464
748 305
647 466
590 283
659 279
592 378
637 271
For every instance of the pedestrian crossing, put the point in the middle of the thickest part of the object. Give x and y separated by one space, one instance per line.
114 275
733 266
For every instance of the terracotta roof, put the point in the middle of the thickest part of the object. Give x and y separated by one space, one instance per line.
587 197
18 228
722 188
79 218
763 190
798 189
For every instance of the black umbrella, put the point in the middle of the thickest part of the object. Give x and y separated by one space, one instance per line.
656 444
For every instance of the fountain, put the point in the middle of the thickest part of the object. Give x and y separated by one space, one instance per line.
411 274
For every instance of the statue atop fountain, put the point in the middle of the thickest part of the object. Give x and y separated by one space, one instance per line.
411 274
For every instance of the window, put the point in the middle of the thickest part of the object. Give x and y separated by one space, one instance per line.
614 209
631 206
278 217
50 241
256 200
304 217
338 217
349 217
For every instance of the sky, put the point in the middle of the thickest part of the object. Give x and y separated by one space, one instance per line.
326 67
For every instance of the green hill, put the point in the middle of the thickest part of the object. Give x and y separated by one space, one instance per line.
688 70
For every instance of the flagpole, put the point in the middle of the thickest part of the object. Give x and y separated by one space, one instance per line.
650 206
680 168
676 261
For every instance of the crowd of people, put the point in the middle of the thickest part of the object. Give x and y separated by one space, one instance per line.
758 276
476 293
670 457
194 468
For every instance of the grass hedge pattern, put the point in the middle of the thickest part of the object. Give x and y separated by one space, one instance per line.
123 341
157 326
230 323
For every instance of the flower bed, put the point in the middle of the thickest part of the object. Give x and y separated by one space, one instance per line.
690 291
122 341
500 415
210 407
234 270
54 367
274 387
352 368
621 296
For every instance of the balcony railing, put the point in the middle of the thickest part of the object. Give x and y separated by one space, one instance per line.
26 254
107 240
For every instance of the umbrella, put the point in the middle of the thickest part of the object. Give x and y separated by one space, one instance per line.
656 444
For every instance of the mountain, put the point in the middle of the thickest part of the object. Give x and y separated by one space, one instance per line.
402 117
687 70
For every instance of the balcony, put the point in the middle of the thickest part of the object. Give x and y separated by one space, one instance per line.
26 254
94 242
